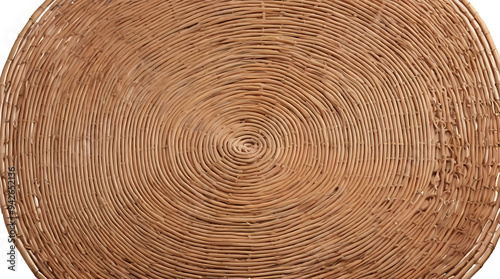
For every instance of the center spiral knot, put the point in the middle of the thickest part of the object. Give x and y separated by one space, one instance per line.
246 145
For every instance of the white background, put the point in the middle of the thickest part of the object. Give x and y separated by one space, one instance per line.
15 13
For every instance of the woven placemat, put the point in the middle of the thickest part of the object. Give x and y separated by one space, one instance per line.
252 139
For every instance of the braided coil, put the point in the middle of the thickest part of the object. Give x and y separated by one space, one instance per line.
252 139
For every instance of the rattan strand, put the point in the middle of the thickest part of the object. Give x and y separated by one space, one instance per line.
253 139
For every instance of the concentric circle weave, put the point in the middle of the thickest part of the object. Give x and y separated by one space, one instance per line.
252 139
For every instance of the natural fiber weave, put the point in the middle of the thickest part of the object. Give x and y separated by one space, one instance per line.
253 139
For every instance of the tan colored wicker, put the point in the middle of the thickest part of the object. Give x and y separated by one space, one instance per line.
253 139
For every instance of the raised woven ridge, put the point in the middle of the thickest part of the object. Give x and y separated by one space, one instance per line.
253 139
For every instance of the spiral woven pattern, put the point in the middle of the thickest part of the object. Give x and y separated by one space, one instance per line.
253 139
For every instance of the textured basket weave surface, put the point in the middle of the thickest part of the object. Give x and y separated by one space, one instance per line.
253 139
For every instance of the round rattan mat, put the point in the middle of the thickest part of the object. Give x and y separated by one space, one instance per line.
252 139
